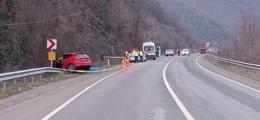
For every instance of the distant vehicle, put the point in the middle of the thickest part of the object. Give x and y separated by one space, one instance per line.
203 51
169 52
74 61
185 52
149 50
139 59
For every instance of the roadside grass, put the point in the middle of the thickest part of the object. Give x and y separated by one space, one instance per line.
242 71
20 85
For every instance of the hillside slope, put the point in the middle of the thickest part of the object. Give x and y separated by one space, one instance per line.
211 20
98 27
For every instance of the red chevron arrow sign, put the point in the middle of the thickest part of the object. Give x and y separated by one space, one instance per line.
52 44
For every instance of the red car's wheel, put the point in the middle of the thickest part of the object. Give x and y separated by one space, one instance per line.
72 67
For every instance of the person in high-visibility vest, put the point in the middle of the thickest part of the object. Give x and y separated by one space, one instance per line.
141 55
135 52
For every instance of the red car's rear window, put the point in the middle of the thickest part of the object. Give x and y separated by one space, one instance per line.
83 56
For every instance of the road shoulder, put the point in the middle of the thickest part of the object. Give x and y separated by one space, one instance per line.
231 75
46 97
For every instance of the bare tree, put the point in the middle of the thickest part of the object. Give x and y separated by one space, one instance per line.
243 44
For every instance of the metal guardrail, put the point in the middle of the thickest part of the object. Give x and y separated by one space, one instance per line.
30 72
234 62
37 73
112 57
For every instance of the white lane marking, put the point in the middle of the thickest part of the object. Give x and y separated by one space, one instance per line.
233 81
51 114
174 96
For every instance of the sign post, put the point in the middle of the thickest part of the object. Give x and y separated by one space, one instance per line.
51 45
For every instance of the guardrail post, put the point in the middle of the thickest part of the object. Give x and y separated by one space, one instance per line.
4 86
40 76
24 80
15 81
32 79
237 68
108 62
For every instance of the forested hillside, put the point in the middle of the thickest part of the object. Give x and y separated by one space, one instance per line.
98 27
211 20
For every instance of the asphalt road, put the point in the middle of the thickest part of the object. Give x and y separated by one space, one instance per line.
170 88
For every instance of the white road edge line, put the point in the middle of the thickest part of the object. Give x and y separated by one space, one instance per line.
52 113
174 96
233 81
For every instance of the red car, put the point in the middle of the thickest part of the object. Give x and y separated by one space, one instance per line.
74 61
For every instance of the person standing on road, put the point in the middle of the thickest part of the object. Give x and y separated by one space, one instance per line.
179 51
141 55
127 54
135 54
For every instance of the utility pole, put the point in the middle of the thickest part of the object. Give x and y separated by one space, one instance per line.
250 39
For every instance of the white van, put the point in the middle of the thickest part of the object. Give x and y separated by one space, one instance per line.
149 50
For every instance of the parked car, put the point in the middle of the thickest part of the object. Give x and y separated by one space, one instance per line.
74 61
169 52
185 52
132 59
203 51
